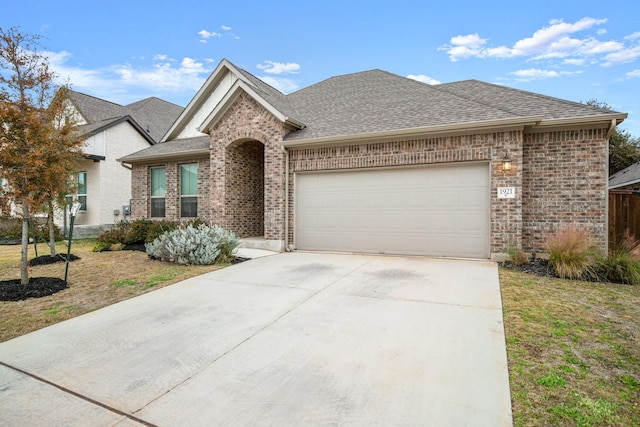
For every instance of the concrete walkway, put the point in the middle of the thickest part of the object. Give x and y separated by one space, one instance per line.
289 339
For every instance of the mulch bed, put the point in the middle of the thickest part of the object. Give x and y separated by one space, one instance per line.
537 266
48 259
12 290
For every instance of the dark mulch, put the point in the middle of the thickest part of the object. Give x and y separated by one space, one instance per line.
135 247
238 260
48 259
4 241
12 290
537 266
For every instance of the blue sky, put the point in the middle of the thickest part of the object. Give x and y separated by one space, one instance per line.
124 51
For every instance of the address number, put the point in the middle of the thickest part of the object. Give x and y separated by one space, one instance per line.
506 192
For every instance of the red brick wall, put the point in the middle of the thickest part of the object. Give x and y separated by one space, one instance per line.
246 120
564 182
141 184
244 166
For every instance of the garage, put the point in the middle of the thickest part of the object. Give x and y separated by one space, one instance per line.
429 210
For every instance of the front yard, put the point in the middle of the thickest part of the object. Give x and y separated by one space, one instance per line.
573 347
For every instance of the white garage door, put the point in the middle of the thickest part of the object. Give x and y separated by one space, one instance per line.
434 210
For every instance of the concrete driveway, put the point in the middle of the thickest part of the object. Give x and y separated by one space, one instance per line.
289 339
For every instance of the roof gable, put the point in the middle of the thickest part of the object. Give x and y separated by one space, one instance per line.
218 93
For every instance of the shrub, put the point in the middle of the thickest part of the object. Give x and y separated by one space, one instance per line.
157 228
136 231
572 253
201 244
623 263
100 246
114 235
517 256
11 228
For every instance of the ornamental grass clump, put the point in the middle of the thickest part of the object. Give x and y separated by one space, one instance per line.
573 253
623 263
201 244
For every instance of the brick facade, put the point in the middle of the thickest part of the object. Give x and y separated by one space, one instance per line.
565 182
560 177
141 187
246 129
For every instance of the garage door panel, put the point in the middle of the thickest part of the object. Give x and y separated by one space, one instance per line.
439 211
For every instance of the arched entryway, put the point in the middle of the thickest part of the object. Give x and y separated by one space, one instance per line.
244 166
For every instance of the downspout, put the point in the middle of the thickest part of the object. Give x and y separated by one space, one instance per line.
612 129
286 200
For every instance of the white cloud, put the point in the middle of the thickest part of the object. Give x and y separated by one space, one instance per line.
225 28
623 56
634 73
279 68
124 83
633 36
206 35
538 74
424 79
558 40
283 84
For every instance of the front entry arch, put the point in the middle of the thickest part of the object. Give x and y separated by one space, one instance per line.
245 188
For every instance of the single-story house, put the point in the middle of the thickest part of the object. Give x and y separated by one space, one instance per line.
111 131
373 162
624 205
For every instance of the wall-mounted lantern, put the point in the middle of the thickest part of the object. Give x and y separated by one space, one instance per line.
506 163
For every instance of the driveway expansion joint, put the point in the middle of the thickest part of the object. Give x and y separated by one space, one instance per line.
78 395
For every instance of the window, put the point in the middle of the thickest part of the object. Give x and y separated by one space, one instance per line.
189 190
158 191
82 190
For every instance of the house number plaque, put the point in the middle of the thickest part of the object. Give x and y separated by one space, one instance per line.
506 192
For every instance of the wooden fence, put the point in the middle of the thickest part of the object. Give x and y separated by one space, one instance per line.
624 215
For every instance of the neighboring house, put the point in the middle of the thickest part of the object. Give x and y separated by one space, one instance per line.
111 131
377 163
624 205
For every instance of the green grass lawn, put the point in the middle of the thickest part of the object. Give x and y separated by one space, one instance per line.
573 349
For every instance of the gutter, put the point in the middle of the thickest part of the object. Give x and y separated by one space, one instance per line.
164 156
417 132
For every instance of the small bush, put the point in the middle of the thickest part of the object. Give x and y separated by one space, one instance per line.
11 228
100 246
572 253
136 231
517 256
623 263
114 235
158 228
194 245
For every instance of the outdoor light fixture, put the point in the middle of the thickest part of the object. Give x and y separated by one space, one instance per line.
506 163
75 208
74 211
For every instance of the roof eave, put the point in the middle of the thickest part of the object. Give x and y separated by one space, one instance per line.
584 120
519 122
164 156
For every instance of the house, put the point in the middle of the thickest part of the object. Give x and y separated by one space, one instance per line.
111 131
624 205
373 162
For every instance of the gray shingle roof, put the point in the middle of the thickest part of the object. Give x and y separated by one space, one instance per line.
519 102
153 115
178 147
378 101
627 176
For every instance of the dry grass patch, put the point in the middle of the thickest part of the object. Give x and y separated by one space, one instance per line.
95 281
573 350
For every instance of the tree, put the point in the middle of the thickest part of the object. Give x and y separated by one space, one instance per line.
624 150
38 148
